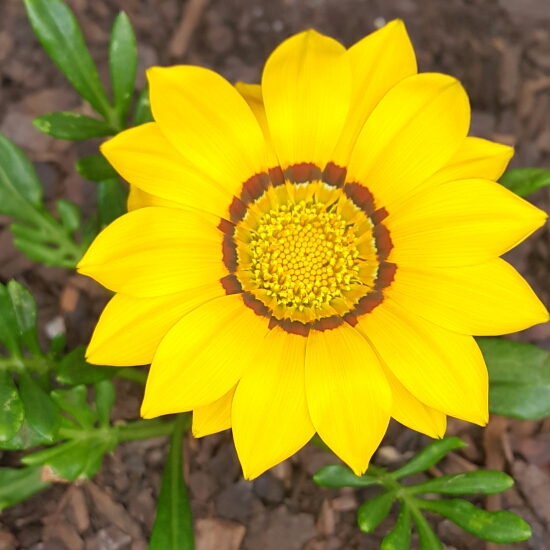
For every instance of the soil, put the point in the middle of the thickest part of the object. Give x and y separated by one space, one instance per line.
500 50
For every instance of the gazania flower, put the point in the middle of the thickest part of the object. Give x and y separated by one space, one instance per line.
312 254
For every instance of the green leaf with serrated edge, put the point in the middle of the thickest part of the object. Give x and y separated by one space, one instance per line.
9 333
18 484
487 482
57 345
111 200
143 113
519 378
123 63
69 213
336 476
57 29
429 456
173 529
25 311
399 538
72 126
73 369
12 412
372 512
105 396
15 167
75 402
428 539
524 181
41 412
95 168
500 527
25 438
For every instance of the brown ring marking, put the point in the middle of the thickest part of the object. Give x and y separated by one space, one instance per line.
303 173
255 305
334 175
254 188
229 253
231 284
226 227
361 197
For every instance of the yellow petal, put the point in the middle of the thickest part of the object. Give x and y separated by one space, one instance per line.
144 157
413 131
137 198
443 369
215 417
202 357
130 329
348 395
156 251
483 300
270 416
209 123
252 94
378 62
457 223
306 87
411 412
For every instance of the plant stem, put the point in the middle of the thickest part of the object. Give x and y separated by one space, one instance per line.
133 374
143 429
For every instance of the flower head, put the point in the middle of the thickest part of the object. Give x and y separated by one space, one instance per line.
312 254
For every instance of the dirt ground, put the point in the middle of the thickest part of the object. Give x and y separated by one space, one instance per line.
499 49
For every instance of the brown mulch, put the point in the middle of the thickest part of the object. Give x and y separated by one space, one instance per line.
500 50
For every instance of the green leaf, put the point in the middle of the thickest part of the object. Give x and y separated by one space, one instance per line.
90 230
519 378
74 370
12 412
336 476
70 216
75 402
41 412
9 333
105 396
488 482
143 113
111 200
429 456
17 171
25 438
57 29
25 311
96 452
72 126
372 512
123 64
399 538
173 529
17 485
95 168
524 181
500 527
57 345
428 539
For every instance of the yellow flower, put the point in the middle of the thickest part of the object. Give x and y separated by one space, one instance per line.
313 254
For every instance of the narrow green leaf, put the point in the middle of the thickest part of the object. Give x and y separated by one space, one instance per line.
524 181
25 311
70 216
9 333
372 512
12 412
123 64
500 527
17 485
143 114
399 538
57 29
95 168
336 476
17 170
74 370
111 200
488 482
105 396
41 412
428 539
429 456
57 345
96 453
173 529
72 126
46 251
75 402
519 378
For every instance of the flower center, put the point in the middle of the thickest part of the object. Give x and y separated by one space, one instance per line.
306 251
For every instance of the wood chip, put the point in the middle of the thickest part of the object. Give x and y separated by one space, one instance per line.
326 522
77 503
189 21
218 534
